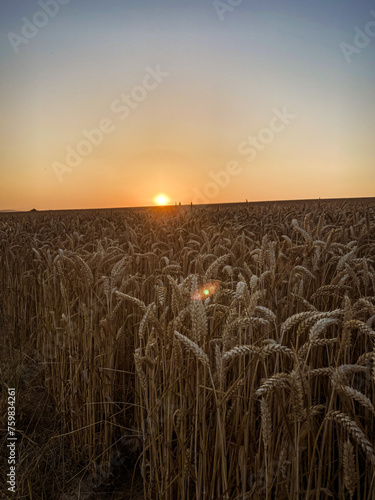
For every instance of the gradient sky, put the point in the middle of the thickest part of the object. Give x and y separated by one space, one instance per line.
225 79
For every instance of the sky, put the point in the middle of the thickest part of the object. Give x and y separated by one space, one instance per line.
110 104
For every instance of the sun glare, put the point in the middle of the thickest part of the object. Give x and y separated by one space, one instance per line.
161 199
205 291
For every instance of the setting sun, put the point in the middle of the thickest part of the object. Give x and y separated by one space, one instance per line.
161 199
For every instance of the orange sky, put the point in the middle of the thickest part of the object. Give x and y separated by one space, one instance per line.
261 105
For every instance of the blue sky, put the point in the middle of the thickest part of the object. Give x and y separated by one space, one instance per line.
225 79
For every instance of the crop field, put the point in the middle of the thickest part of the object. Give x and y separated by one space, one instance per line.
221 353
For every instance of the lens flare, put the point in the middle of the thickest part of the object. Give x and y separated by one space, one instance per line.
205 291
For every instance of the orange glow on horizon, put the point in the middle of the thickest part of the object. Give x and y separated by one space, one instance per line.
161 199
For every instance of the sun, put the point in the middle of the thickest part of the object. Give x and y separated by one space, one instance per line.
161 199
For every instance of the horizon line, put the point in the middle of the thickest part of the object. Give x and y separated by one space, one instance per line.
176 205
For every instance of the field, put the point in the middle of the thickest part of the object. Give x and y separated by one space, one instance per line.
191 353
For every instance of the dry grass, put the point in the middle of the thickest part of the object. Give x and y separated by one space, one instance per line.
219 353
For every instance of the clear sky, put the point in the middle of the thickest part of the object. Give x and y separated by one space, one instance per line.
210 101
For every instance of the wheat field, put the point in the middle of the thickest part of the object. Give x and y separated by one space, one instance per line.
205 353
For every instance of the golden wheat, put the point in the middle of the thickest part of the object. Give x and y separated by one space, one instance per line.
232 347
